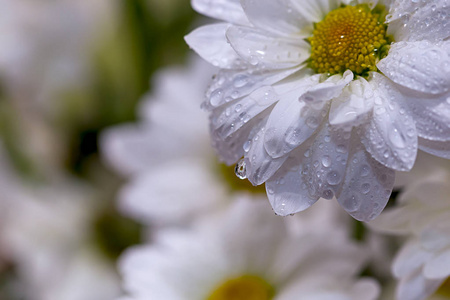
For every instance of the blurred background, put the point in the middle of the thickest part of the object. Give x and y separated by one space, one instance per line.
68 70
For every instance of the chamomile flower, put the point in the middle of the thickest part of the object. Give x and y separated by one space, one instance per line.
226 258
327 98
173 175
422 266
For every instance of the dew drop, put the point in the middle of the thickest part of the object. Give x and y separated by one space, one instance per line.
241 169
240 81
333 178
365 188
365 169
247 145
326 161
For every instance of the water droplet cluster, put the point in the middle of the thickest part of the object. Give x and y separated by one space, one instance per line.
349 38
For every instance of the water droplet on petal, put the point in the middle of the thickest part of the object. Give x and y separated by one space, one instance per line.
326 161
241 169
333 178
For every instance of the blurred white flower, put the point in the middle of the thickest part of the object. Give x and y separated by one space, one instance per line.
174 176
45 233
423 263
47 46
310 97
167 155
246 254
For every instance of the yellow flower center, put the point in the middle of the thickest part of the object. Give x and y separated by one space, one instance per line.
349 38
444 289
243 288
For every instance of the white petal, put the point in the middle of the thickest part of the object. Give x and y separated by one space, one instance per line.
211 44
411 257
416 287
232 117
325 162
431 114
227 10
315 10
433 233
437 148
276 16
260 165
169 194
421 66
327 90
229 85
419 20
265 51
367 185
438 267
390 136
231 148
291 122
353 105
394 221
286 190
366 288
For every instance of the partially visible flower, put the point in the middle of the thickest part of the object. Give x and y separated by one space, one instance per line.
423 263
318 100
47 46
173 175
228 259
45 235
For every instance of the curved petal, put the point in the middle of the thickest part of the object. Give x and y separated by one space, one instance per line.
227 10
286 190
421 66
291 122
275 16
231 118
437 148
410 257
419 20
211 44
260 165
153 199
431 115
352 107
229 85
324 163
417 287
391 135
367 186
327 90
315 10
230 149
438 267
260 49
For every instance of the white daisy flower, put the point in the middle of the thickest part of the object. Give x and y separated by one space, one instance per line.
47 46
228 259
167 155
327 98
45 235
423 263
173 176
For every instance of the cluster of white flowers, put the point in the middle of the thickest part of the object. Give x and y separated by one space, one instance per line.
319 100
344 104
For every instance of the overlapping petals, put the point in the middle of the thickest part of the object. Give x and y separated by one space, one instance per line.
307 135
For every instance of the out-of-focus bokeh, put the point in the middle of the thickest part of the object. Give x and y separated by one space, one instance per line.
68 70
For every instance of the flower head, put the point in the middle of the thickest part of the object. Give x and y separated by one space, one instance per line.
225 258
327 98
423 263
